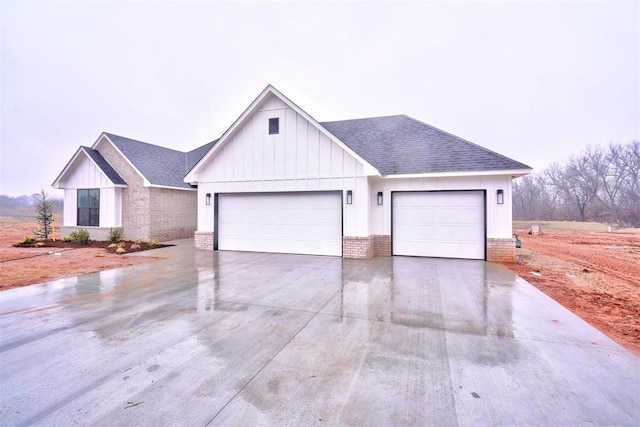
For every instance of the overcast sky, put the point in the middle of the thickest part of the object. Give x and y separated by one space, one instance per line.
535 81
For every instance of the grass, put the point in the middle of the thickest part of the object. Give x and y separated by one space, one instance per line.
594 227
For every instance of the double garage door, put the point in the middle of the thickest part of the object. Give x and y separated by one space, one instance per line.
444 224
448 224
296 223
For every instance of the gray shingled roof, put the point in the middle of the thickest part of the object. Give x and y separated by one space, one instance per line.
104 166
397 145
159 165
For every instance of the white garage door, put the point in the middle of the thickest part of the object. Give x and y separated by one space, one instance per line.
296 223
447 224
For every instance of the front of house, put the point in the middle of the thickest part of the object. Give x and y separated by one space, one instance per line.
279 181
132 185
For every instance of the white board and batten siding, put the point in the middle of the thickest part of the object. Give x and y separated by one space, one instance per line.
443 224
299 151
300 158
498 217
85 175
296 223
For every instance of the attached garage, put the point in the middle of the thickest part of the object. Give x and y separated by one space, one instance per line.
444 224
298 223
280 181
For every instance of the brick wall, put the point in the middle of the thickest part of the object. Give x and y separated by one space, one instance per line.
203 240
501 250
150 213
173 213
358 247
382 245
135 197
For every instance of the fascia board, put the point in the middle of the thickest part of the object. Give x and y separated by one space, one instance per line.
146 182
190 177
74 158
56 182
168 187
514 173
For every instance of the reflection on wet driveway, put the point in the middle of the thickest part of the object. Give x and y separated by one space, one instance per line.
231 338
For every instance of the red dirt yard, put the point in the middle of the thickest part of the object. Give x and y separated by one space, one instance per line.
594 274
27 266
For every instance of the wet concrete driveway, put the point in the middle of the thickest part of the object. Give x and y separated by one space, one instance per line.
263 339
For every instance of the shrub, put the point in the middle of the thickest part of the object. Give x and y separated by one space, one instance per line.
135 246
153 243
113 246
115 235
27 241
67 239
120 250
81 236
40 244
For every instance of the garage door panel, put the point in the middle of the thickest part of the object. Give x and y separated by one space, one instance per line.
304 223
447 224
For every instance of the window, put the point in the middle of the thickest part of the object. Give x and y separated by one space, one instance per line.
274 126
89 207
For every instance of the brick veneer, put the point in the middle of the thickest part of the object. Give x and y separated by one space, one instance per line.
203 240
382 245
149 213
501 250
358 247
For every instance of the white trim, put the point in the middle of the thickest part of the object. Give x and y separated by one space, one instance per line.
515 173
169 187
190 177
146 183
56 182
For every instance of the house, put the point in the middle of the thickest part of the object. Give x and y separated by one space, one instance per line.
123 183
279 181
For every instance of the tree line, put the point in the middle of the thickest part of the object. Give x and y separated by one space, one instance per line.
25 206
599 184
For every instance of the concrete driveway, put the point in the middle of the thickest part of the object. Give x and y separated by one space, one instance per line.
263 339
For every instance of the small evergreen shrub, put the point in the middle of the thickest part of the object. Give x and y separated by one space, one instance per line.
27 241
135 246
80 236
113 246
153 243
120 250
40 244
67 239
115 235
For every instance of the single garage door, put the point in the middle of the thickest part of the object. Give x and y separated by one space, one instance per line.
296 223
444 224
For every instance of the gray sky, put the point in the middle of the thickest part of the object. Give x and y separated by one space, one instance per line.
533 81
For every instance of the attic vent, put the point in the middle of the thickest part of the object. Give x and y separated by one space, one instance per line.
274 126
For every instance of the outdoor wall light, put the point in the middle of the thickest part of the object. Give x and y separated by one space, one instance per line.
500 196
379 197
207 198
349 197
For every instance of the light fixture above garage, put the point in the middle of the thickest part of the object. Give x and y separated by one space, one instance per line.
349 197
500 196
379 197
207 199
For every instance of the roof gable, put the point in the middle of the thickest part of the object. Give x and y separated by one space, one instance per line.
159 166
95 157
265 95
401 145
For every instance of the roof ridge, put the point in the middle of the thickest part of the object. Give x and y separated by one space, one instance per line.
146 143
365 118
